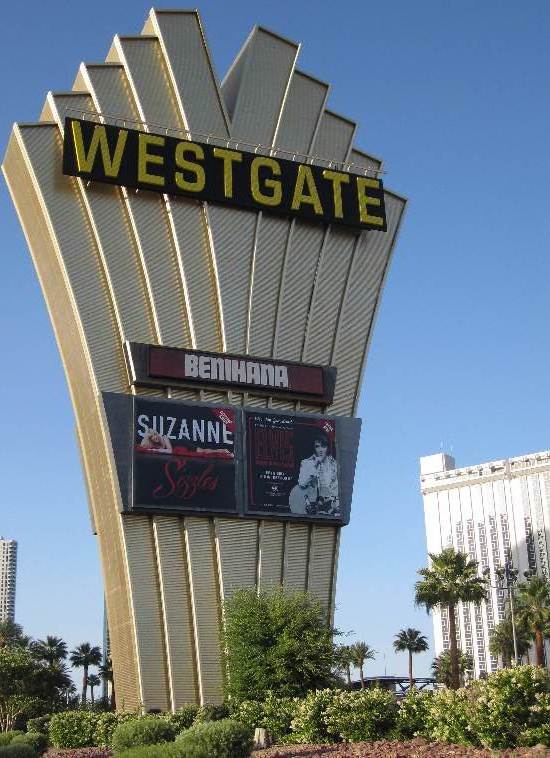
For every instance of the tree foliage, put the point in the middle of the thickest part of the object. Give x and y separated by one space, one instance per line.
452 577
412 641
501 641
360 653
442 668
275 642
533 611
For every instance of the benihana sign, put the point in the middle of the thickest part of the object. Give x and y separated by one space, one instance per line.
152 365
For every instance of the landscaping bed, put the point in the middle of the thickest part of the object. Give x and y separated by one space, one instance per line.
417 748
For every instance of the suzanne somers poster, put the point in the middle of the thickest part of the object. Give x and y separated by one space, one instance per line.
184 457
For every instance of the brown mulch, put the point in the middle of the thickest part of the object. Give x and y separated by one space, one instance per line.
417 748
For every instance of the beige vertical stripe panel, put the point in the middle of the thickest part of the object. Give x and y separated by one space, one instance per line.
263 86
176 605
156 103
233 233
334 138
361 300
144 587
299 120
301 114
297 287
115 240
328 294
147 216
69 222
260 81
296 556
70 339
190 67
196 259
334 575
321 564
180 56
271 554
237 554
361 160
202 570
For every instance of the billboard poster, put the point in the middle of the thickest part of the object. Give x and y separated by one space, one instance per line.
292 465
184 457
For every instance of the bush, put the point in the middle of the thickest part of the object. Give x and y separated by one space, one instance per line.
72 729
413 715
309 724
183 718
210 712
7 737
216 739
365 715
17 751
106 725
507 703
39 725
449 715
536 735
275 714
144 730
38 742
277 642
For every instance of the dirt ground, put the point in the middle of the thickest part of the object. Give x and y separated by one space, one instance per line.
417 748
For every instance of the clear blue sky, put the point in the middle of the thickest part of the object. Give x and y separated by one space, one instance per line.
455 96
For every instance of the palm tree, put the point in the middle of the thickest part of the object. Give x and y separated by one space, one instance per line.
52 650
344 661
361 652
106 672
83 656
11 634
501 642
451 578
413 641
441 667
93 681
533 610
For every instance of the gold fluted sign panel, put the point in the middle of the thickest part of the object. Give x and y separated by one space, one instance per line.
275 244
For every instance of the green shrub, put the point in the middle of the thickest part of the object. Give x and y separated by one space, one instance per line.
309 724
413 715
449 716
40 724
107 723
17 751
38 742
535 735
216 739
72 729
507 703
274 714
144 730
7 737
211 712
183 718
364 715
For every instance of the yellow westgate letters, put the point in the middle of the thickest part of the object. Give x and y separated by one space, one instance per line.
257 192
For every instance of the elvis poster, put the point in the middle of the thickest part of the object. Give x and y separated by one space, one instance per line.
292 465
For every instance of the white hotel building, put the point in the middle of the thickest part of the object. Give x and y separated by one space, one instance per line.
8 569
495 512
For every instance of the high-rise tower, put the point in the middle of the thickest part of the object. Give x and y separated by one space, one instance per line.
8 570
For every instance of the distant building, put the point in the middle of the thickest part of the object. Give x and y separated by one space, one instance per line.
8 569
496 512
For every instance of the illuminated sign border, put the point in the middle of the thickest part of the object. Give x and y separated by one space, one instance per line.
159 366
162 163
